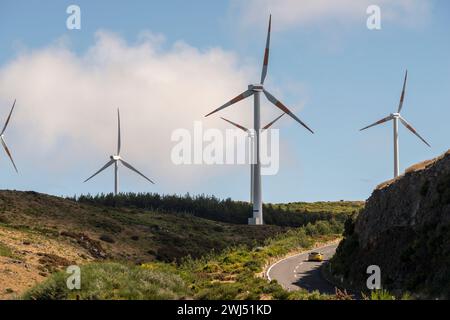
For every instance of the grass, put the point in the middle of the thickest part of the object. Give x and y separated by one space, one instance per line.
231 274
333 207
112 281
5 251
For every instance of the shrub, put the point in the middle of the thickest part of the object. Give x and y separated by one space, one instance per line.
112 281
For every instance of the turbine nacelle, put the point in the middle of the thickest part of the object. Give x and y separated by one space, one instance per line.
395 115
115 158
256 87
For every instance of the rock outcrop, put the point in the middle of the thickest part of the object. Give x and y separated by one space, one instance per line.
405 230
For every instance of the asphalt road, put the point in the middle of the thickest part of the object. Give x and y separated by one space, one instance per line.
297 272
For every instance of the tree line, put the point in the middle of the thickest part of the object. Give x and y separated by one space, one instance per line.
208 207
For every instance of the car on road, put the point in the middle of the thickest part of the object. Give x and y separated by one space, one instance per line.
315 256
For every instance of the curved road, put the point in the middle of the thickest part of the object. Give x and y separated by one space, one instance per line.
297 272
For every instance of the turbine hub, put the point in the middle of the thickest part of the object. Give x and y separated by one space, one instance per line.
115 157
256 87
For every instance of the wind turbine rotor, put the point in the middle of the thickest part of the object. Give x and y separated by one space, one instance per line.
266 53
390 117
267 126
129 166
110 162
8 152
414 131
3 139
402 97
285 109
238 98
9 117
236 125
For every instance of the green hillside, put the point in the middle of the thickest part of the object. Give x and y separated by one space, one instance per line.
42 234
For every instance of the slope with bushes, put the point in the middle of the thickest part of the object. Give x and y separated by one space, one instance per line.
41 234
231 274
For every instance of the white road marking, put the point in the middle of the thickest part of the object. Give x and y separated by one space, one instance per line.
293 256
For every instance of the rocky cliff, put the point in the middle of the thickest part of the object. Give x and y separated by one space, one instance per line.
405 230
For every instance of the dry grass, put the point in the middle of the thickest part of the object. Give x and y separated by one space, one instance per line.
414 168
32 258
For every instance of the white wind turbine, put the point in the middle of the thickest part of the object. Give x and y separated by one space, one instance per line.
395 117
251 136
255 90
115 159
2 137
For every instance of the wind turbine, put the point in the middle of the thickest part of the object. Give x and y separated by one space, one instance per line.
255 90
115 159
396 117
2 136
251 136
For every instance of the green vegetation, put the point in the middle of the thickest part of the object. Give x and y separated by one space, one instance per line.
229 211
5 251
231 274
169 235
331 207
110 280
125 234
380 295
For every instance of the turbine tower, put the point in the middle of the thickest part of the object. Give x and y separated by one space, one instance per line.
251 136
2 136
396 117
255 90
115 159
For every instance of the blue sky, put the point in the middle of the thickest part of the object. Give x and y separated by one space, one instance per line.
325 64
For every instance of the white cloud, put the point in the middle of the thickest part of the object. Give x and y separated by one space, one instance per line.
65 117
293 13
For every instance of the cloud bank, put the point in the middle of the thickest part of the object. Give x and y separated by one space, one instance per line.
65 117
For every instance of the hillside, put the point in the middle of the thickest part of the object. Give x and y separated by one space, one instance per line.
404 229
40 234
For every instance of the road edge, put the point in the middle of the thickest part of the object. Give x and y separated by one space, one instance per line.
316 246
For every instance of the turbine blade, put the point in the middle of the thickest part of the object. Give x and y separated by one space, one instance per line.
9 117
378 122
267 126
281 106
103 168
129 166
8 152
410 128
235 124
402 97
266 53
240 97
118 132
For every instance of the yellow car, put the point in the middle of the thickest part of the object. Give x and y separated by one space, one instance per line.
315 256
